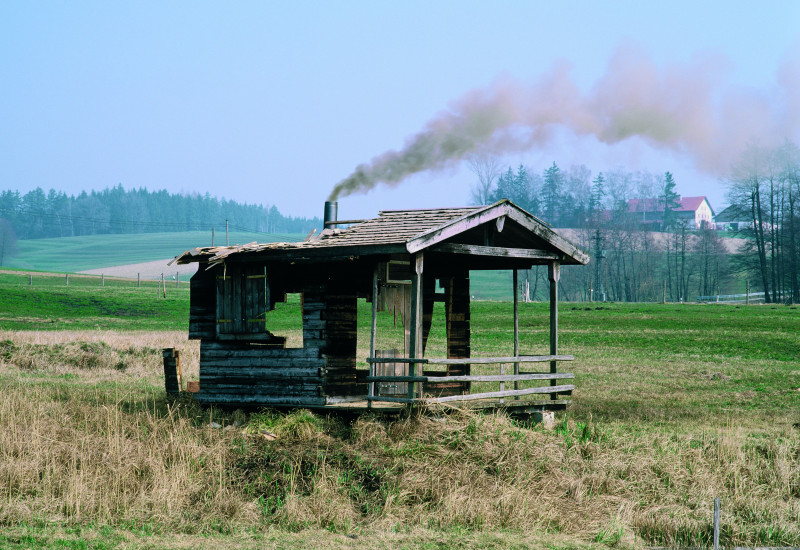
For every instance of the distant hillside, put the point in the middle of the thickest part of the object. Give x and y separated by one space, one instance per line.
38 214
72 254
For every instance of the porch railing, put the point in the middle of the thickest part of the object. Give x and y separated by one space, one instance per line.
416 395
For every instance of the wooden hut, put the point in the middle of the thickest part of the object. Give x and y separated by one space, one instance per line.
402 259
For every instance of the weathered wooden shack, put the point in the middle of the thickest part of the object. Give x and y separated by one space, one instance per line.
402 260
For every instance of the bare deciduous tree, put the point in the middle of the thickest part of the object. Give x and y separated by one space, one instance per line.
487 169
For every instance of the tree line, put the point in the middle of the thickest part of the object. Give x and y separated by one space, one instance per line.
39 214
764 192
632 259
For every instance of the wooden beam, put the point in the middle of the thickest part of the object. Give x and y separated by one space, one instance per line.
495 251
553 390
373 331
476 378
554 274
516 328
544 232
415 346
489 360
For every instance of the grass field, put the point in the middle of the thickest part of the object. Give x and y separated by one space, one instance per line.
73 254
675 405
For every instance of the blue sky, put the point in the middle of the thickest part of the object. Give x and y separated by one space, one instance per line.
276 102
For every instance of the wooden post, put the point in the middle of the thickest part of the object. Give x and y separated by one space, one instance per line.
716 523
516 332
373 334
664 293
67 279
177 279
554 274
163 286
172 370
415 347
138 280
30 279
102 279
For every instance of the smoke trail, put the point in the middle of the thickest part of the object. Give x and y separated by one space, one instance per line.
685 109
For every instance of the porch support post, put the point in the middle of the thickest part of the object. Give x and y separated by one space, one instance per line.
373 334
554 274
415 351
516 328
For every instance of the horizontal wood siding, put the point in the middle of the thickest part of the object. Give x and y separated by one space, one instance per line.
242 373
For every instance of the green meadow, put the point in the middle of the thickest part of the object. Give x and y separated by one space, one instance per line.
674 406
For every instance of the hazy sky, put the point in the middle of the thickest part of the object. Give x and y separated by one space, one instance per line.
277 102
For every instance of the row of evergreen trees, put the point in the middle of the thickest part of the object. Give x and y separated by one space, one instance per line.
37 214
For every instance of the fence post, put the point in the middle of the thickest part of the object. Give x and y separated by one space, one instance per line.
30 279
172 370
664 293
102 279
177 279
138 280
67 279
716 523
163 285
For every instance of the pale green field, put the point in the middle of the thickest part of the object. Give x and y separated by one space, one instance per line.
73 254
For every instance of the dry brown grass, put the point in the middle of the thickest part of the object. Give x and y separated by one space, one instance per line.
84 440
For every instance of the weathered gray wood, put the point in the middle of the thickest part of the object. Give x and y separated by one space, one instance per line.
571 251
495 251
393 399
373 334
398 378
490 360
554 274
172 370
222 370
258 399
263 353
395 360
508 393
415 347
475 378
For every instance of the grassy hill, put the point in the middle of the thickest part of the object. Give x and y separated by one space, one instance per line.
72 254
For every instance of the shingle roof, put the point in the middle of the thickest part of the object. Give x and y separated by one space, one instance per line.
402 228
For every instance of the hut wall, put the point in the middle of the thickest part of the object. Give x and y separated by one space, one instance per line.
242 373
262 372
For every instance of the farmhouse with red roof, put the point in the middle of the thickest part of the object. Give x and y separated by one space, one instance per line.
693 211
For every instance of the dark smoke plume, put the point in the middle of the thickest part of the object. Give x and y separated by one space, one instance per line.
684 109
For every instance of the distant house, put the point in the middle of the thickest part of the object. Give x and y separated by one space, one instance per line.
694 211
733 218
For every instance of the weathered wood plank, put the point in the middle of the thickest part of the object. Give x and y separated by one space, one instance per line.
475 378
508 393
490 360
495 251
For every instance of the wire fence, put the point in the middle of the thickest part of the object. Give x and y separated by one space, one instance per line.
162 282
746 298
